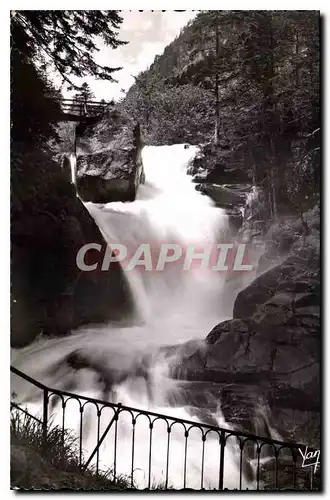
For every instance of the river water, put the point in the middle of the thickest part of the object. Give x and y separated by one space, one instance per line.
174 306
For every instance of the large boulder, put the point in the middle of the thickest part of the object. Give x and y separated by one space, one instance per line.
274 352
49 224
268 355
277 349
217 161
109 160
286 281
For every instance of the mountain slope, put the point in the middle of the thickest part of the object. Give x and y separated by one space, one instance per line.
249 81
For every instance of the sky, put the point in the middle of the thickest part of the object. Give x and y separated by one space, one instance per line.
148 33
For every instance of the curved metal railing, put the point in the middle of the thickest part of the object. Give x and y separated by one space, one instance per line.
276 463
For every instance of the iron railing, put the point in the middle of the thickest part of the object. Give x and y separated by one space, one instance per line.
261 463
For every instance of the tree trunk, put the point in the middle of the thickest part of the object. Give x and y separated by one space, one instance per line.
273 191
273 178
270 202
216 89
297 62
253 162
271 118
217 118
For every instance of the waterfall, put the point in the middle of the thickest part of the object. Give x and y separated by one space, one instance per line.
174 306
73 166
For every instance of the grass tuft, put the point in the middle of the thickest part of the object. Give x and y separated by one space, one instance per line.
59 459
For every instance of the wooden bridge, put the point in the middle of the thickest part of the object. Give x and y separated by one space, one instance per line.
76 110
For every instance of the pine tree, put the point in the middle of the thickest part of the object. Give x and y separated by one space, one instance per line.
85 93
261 69
66 39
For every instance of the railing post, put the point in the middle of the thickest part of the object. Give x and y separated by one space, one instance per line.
100 441
45 420
222 459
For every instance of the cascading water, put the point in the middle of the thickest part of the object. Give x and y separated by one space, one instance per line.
73 165
174 306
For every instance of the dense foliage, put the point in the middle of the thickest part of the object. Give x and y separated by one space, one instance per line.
249 81
170 114
33 115
66 42
67 39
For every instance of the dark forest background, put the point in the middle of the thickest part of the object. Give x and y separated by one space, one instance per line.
249 82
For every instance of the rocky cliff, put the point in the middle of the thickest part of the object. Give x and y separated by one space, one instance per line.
269 354
49 224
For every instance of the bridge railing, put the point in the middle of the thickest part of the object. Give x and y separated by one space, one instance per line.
83 107
182 453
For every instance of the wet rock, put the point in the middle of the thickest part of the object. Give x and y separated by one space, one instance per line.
223 195
185 360
111 369
216 161
109 160
50 294
294 275
276 330
199 175
306 423
271 348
